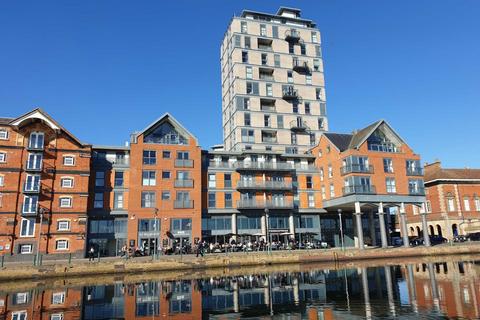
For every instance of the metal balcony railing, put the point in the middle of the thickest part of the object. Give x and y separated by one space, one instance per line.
359 189
261 204
183 204
185 163
290 94
221 164
300 65
296 125
264 185
29 210
416 191
414 171
31 187
292 35
356 168
275 166
183 183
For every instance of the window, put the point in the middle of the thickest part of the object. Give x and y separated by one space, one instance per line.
332 191
248 72
27 227
65 202
314 37
20 298
279 121
148 199
243 103
295 107
324 194
269 89
56 316
118 200
19 315
318 93
323 108
212 180
61 245
3 157
166 154
387 165
291 48
227 177
148 178
68 160
246 119
289 76
166 174
165 195
264 58
245 56
466 204
302 49
318 51
32 182
183 155
308 79
30 204
149 157
293 137
330 171
274 31
311 200
252 87
34 161
321 174
98 201
36 140
415 186
247 42
211 200
58 298
477 203
307 107
309 182
181 224
25 248
391 186
99 179
237 40
228 200
428 206
248 135
276 60
118 179
243 27
63 225
3 134
67 182
320 123
266 120
316 65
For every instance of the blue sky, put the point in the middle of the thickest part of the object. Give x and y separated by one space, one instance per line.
107 68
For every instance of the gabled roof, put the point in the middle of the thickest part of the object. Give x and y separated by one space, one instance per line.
344 141
5 120
38 113
167 117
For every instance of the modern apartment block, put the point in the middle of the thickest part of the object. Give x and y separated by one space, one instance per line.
453 201
273 88
44 176
367 178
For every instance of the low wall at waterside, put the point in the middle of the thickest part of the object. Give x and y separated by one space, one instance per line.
52 269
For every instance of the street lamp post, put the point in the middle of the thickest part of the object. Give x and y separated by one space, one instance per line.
41 211
267 230
341 228
157 234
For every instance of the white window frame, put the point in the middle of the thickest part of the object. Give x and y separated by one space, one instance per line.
24 297
68 163
450 204
212 183
58 297
392 188
311 200
63 205
148 181
332 191
1 200
64 185
3 157
36 134
63 241
56 316
19 315
3 134
477 203
34 181
31 208
26 245
2 180
466 204
27 226
59 222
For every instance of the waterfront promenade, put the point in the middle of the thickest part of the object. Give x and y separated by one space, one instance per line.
118 266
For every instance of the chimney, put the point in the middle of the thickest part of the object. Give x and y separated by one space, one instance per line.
434 165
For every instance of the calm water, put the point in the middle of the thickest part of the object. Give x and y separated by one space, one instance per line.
420 290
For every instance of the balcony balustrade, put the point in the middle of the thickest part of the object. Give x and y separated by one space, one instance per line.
414 171
290 94
261 204
356 168
296 125
416 191
222 165
359 189
264 185
183 183
265 166
183 163
183 204
300 66
292 35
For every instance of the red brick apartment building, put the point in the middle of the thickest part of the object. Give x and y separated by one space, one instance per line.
453 201
44 174
367 178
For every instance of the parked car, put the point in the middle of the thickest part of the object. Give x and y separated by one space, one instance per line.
473 236
434 240
459 238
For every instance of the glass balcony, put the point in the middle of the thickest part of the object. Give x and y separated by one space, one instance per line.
415 171
183 163
356 168
359 189
183 204
264 185
265 166
296 125
260 204
416 191
183 183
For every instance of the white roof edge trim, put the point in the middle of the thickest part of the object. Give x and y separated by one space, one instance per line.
36 115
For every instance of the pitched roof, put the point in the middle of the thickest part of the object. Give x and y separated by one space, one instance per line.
436 172
167 117
5 120
361 135
340 140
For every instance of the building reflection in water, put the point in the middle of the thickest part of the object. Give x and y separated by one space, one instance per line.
451 289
